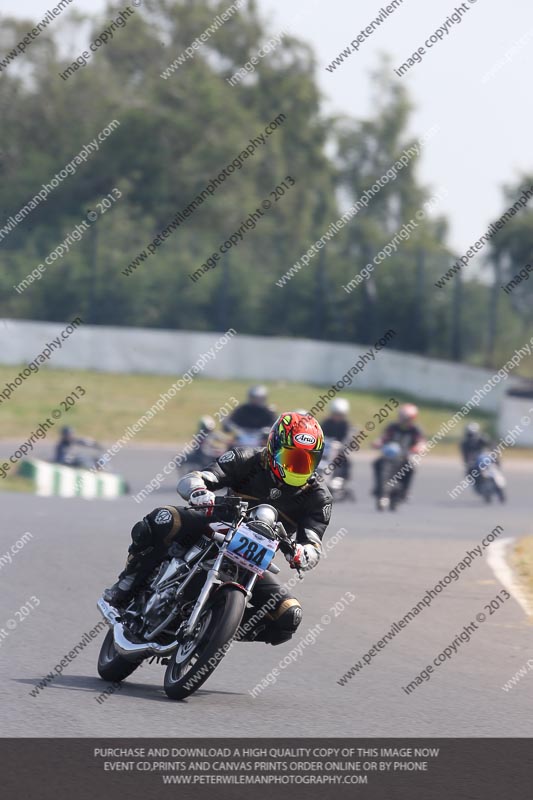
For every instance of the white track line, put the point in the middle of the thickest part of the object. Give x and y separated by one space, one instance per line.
497 561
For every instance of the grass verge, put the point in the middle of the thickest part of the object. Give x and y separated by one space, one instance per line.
114 402
14 483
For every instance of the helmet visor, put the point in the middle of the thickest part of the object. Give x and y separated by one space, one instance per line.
296 465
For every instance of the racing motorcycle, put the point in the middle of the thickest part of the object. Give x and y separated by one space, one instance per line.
192 606
489 480
333 473
212 447
247 437
83 457
390 491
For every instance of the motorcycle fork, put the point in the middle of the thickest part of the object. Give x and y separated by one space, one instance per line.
213 577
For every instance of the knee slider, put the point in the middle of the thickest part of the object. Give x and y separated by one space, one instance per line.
287 616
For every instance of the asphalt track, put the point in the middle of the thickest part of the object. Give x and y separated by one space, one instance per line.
386 560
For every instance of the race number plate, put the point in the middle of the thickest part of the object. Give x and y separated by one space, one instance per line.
251 550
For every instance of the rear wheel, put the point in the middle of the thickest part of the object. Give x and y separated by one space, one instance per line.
197 658
111 665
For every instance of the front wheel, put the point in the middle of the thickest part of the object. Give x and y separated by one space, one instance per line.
501 494
487 490
197 658
111 665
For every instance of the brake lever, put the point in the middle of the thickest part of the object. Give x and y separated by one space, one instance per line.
287 546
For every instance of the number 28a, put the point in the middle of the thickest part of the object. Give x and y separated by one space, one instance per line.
251 553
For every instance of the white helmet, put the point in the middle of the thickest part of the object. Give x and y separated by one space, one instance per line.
339 406
207 423
259 394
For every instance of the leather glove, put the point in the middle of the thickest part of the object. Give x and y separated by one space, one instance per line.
305 558
203 499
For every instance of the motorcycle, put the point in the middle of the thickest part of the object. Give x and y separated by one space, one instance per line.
83 457
248 437
489 480
192 606
216 443
391 490
332 470
212 447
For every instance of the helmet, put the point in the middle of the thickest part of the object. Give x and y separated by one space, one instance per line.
257 394
339 406
473 428
407 413
67 431
294 448
207 423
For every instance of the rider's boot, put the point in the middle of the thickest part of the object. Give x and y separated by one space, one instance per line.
138 567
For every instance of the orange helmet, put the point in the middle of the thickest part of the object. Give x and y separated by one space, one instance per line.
294 448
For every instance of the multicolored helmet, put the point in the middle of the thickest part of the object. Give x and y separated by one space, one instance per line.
294 448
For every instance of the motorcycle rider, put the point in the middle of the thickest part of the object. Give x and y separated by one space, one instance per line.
409 436
66 444
200 455
281 474
252 415
473 443
337 426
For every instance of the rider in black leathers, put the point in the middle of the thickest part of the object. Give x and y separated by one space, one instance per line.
337 426
282 475
67 443
253 415
473 443
409 436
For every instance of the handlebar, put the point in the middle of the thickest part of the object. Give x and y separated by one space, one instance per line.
286 544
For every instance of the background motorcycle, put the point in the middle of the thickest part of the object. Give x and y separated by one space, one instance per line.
192 606
391 492
247 437
212 447
334 477
490 480
216 443
84 457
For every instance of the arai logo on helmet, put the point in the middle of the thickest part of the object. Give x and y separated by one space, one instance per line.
304 438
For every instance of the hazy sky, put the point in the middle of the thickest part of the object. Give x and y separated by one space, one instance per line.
485 128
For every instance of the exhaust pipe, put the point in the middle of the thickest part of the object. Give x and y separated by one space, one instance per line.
109 613
127 648
122 644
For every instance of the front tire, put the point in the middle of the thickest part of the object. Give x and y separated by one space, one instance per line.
188 670
487 491
112 666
